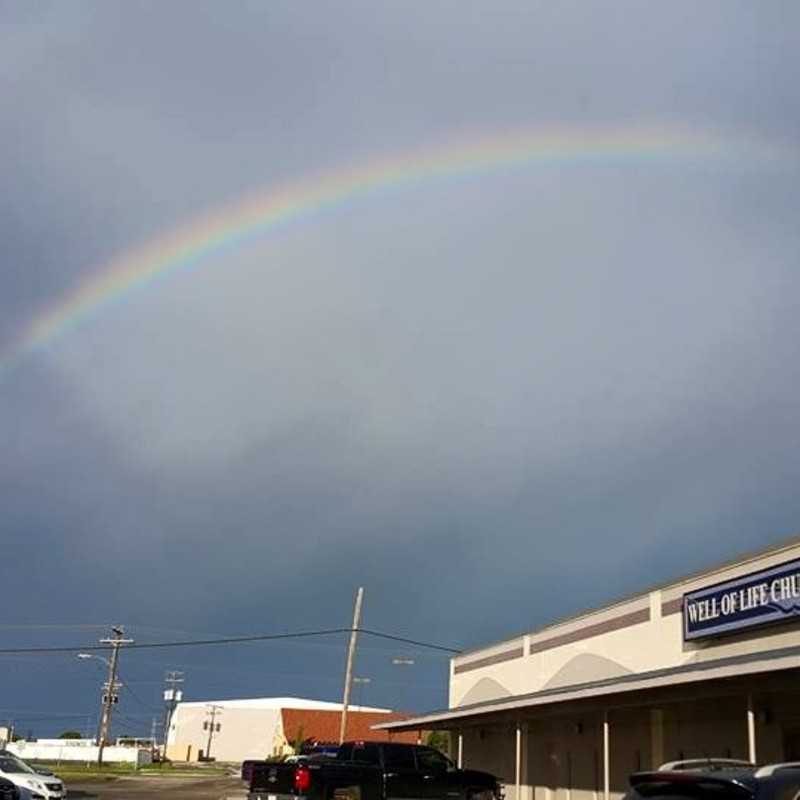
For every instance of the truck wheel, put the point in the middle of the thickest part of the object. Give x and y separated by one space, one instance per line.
347 793
480 794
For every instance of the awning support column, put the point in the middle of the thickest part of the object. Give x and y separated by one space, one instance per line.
656 737
518 761
460 750
751 730
606 758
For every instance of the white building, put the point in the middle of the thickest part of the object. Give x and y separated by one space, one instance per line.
78 750
235 730
705 666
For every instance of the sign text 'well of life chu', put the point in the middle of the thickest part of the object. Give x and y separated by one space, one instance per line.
767 596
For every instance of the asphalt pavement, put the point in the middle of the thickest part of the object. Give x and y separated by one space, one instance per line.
139 788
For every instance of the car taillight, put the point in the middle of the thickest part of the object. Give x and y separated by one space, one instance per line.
302 779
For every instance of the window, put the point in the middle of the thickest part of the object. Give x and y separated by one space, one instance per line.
788 789
367 754
345 753
398 756
430 760
219 724
12 765
205 725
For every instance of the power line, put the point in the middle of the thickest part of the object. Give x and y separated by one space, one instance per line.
185 643
36 718
227 641
62 713
142 703
389 636
63 627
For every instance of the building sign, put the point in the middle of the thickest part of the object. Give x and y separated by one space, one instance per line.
770 595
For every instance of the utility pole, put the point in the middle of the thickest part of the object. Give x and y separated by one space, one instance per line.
351 652
110 696
213 711
153 729
172 697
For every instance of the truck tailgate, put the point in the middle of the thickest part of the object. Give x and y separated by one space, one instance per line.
273 779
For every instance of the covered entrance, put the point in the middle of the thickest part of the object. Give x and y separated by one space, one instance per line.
582 742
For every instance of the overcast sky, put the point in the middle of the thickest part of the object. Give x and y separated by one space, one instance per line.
491 402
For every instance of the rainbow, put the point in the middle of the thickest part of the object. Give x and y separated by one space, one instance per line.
257 215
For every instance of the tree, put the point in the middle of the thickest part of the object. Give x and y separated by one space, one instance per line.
298 741
439 740
70 735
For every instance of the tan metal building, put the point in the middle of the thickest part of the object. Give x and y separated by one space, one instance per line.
234 730
705 666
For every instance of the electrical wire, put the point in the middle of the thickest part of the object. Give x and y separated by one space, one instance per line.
55 626
127 687
227 641
393 638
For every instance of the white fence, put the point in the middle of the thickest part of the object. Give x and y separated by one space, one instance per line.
77 750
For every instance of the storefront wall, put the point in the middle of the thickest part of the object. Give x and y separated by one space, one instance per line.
562 756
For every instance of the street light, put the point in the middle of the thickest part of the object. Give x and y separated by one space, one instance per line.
88 657
85 656
109 691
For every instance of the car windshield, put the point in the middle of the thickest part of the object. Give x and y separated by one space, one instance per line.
9 764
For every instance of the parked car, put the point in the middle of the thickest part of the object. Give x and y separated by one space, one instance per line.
704 764
8 790
31 784
716 779
372 771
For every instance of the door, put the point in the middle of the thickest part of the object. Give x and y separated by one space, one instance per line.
403 780
435 770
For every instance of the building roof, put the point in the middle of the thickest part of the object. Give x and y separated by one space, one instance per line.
323 726
726 667
276 703
742 559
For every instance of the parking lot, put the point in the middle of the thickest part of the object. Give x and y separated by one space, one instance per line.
138 788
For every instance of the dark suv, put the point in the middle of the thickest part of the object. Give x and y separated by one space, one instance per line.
717 780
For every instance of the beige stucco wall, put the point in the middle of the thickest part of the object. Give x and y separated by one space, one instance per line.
562 756
653 644
244 733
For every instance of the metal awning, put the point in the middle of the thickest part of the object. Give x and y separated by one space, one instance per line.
728 667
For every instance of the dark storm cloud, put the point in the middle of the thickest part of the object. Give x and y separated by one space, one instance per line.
463 396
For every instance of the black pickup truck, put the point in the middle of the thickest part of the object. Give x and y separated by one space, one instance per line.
372 771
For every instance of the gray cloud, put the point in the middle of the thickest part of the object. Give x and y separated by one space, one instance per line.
465 395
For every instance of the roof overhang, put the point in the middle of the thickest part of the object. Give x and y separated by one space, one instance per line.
694 672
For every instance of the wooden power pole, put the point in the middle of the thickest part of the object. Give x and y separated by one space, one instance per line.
351 652
110 697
